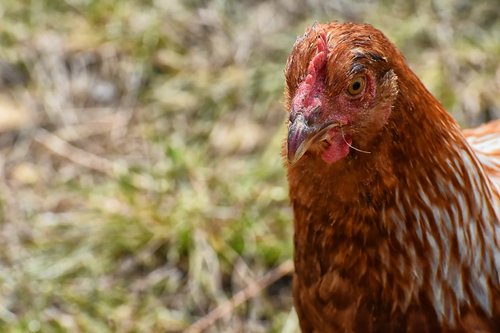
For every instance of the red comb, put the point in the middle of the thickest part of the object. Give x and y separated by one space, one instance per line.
322 43
307 98
319 60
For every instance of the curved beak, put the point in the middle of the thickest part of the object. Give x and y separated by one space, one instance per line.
301 136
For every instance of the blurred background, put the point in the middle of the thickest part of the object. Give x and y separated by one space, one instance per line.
141 179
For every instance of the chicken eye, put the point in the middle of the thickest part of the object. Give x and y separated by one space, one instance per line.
356 86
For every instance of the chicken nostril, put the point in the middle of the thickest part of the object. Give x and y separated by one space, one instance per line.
314 115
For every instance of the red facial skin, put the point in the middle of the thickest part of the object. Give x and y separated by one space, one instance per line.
321 107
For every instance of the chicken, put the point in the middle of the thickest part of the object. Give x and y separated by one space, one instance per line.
396 215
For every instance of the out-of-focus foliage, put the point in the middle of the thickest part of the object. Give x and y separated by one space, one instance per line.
140 141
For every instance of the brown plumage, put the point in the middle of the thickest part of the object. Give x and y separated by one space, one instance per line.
396 215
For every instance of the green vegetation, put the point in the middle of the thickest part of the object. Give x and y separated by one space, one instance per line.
141 177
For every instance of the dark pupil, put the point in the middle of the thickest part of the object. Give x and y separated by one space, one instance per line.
356 85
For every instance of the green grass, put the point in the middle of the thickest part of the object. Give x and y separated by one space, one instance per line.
179 199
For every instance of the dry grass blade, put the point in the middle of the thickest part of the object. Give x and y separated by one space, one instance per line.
251 291
89 129
72 153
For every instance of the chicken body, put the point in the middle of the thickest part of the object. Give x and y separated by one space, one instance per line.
396 215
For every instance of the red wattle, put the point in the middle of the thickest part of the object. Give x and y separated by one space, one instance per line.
338 149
